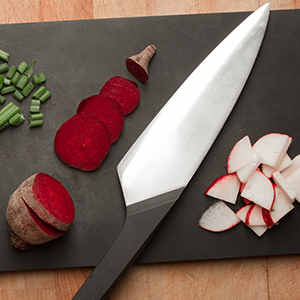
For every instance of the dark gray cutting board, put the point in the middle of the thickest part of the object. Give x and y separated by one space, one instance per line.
78 57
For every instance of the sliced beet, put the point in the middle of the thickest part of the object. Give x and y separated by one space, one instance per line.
82 142
124 91
107 110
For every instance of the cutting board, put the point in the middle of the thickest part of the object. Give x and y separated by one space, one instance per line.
78 57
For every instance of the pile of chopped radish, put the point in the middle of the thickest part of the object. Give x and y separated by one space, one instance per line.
265 177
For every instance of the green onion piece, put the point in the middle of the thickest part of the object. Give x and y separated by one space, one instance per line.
27 89
2 99
4 67
45 96
22 82
16 78
5 125
11 72
22 67
38 79
37 94
4 55
29 70
1 81
8 89
6 108
7 81
18 95
9 114
21 120
14 120
35 102
34 109
35 116
36 123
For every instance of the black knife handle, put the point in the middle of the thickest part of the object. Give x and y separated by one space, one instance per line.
137 231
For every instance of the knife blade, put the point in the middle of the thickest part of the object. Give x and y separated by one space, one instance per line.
160 164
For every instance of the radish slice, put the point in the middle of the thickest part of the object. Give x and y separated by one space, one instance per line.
285 163
246 172
293 181
284 186
272 147
293 167
240 155
225 188
218 217
255 216
259 189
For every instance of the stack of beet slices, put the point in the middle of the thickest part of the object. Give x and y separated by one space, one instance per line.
83 141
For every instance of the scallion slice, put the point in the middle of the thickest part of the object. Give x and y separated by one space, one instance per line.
9 114
4 68
22 82
30 69
11 72
22 67
8 89
18 95
2 99
36 123
27 89
4 55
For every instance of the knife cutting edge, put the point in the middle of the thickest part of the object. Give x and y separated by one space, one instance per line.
159 165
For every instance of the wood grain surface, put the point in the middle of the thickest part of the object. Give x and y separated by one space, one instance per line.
249 278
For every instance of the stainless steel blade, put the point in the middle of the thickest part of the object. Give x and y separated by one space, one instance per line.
169 151
161 162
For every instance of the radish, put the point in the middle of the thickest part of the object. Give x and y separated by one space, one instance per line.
272 147
246 172
82 142
293 167
107 110
255 216
123 91
218 217
241 155
225 188
260 190
284 186
285 163
39 211
293 180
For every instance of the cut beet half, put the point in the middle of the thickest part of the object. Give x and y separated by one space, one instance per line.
107 110
82 142
124 91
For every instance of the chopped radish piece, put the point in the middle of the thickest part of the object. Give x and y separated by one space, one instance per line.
225 188
218 217
284 186
282 205
255 216
259 189
240 155
293 167
293 181
245 173
272 147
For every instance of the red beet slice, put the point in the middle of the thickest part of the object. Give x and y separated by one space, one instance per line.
107 110
82 142
124 91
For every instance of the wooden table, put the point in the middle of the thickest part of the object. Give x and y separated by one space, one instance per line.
247 278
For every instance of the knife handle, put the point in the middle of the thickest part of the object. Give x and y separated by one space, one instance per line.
137 231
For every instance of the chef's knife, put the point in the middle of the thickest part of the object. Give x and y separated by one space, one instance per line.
159 165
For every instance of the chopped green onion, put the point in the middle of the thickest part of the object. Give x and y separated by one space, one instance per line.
45 96
35 102
22 67
35 116
29 70
5 125
18 95
36 123
1 81
11 72
7 81
17 119
4 67
9 114
27 89
6 108
38 79
22 82
16 78
8 89
39 92
34 109
2 99
4 55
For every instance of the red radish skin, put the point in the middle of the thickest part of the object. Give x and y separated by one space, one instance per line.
124 91
138 64
82 142
107 110
29 224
